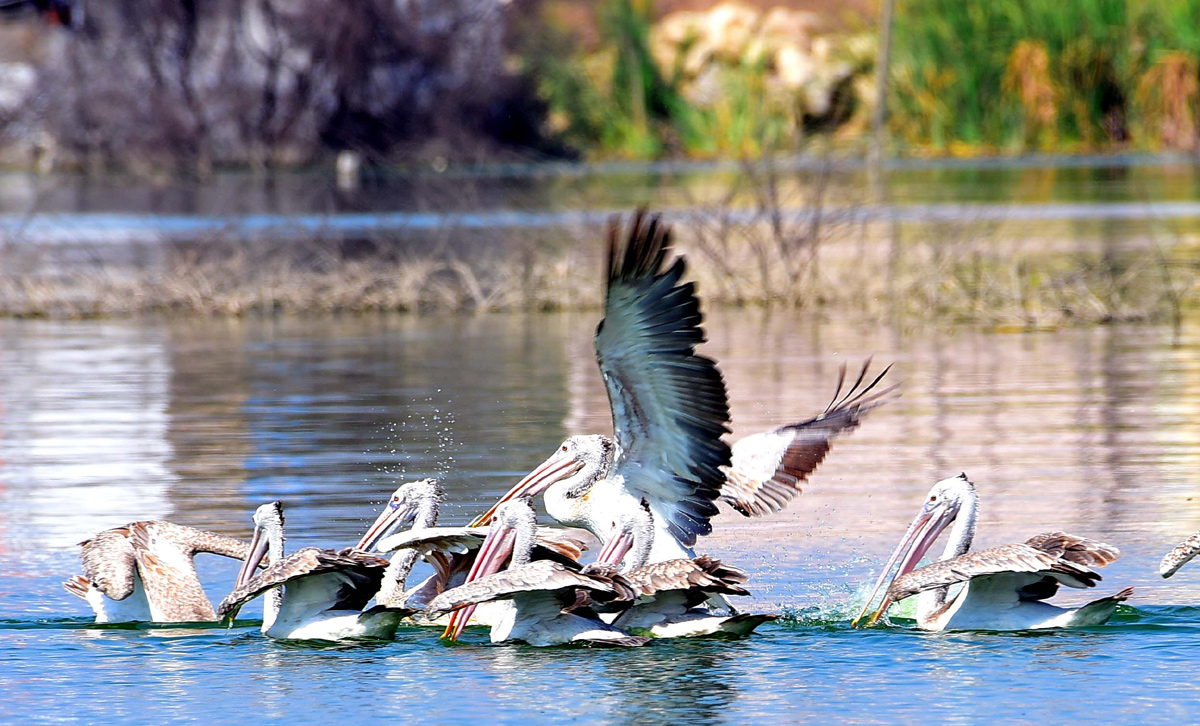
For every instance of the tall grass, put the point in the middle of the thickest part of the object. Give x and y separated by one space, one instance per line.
1017 74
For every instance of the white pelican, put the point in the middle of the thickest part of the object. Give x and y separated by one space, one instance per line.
1001 588
668 404
313 594
671 592
417 503
669 411
545 602
1180 555
144 571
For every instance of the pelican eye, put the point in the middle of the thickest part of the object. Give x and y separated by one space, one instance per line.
564 448
933 499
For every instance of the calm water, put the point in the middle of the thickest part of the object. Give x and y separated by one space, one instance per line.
1094 431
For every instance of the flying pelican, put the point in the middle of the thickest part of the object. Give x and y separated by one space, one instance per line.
1002 588
669 411
145 571
1180 555
546 602
671 592
325 591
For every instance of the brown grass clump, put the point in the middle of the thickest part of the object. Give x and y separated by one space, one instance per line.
1027 76
1169 96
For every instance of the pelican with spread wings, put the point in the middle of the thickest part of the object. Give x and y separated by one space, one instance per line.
144 571
669 411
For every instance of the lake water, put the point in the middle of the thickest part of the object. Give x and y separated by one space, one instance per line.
1095 431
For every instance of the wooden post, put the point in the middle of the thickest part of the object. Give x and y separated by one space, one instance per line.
883 61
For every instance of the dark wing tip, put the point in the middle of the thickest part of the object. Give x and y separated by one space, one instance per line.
644 250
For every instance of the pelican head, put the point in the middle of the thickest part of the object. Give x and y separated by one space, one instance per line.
406 504
634 530
512 533
942 505
268 527
579 463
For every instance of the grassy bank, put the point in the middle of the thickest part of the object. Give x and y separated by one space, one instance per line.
744 248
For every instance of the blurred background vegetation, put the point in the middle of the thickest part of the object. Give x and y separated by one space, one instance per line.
180 85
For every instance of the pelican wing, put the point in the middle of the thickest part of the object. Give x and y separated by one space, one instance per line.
1180 556
669 405
768 468
109 562
172 586
361 575
1005 559
600 583
702 574
553 543
1080 550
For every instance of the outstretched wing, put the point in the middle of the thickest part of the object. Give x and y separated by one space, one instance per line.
545 576
768 468
1080 550
173 589
359 578
669 404
1180 555
1005 559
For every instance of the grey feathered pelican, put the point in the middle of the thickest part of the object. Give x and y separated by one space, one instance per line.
999 588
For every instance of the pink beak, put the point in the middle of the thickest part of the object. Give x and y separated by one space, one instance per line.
921 535
495 551
553 470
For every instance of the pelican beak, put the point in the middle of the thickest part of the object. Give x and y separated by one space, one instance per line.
495 550
558 467
921 534
393 516
258 550
615 549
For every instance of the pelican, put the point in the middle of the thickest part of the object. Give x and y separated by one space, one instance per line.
668 404
669 411
671 592
145 571
546 602
313 594
1180 555
417 503
1002 588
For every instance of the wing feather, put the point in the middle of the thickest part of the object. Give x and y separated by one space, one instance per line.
669 404
1010 558
1180 555
768 468
364 571
109 562
600 584
702 574
1080 550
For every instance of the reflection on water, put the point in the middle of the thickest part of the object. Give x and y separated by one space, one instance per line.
1089 430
